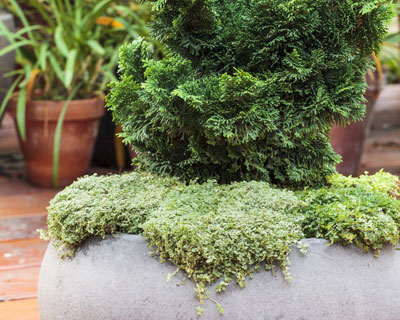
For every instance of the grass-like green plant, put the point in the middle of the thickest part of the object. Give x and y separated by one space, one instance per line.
63 45
248 90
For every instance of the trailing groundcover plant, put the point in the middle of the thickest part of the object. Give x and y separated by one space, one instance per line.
239 109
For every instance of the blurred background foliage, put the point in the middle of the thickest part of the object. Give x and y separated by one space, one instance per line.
64 44
390 54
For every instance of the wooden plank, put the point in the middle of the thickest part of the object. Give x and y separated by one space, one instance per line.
8 136
7 121
390 91
19 284
9 145
21 205
375 159
21 253
387 139
20 310
387 109
21 228
17 185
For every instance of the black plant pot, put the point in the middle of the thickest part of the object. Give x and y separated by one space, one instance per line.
105 154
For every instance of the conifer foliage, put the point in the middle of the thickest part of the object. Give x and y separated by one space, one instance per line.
248 89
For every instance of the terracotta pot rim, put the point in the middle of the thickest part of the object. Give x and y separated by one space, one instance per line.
49 110
99 97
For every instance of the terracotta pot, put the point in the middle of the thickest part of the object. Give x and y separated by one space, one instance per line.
349 141
78 136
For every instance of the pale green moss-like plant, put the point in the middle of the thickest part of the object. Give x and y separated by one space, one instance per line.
380 181
208 230
361 210
225 232
100 205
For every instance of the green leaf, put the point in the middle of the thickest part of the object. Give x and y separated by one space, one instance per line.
21 109
7 33
393 38
77 21
9 93
60 42
85 26
96 47
14 46
40 7
136 18
70 68
43 55
22 16
16 35
70 9
89 20
56 67
27 71
57 137
28 29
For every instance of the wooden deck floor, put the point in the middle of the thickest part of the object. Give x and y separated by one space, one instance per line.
22 211
382 148
23 207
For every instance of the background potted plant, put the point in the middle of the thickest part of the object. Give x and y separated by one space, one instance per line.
67 52
390 55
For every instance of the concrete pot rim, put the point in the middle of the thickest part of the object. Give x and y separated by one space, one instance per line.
116 278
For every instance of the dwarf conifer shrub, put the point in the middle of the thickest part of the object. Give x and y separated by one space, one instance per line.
249 89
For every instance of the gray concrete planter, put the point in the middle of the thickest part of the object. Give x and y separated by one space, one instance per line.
117 279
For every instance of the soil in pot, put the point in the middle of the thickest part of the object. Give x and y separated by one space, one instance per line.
79 132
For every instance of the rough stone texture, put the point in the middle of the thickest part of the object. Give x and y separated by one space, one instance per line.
118 279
